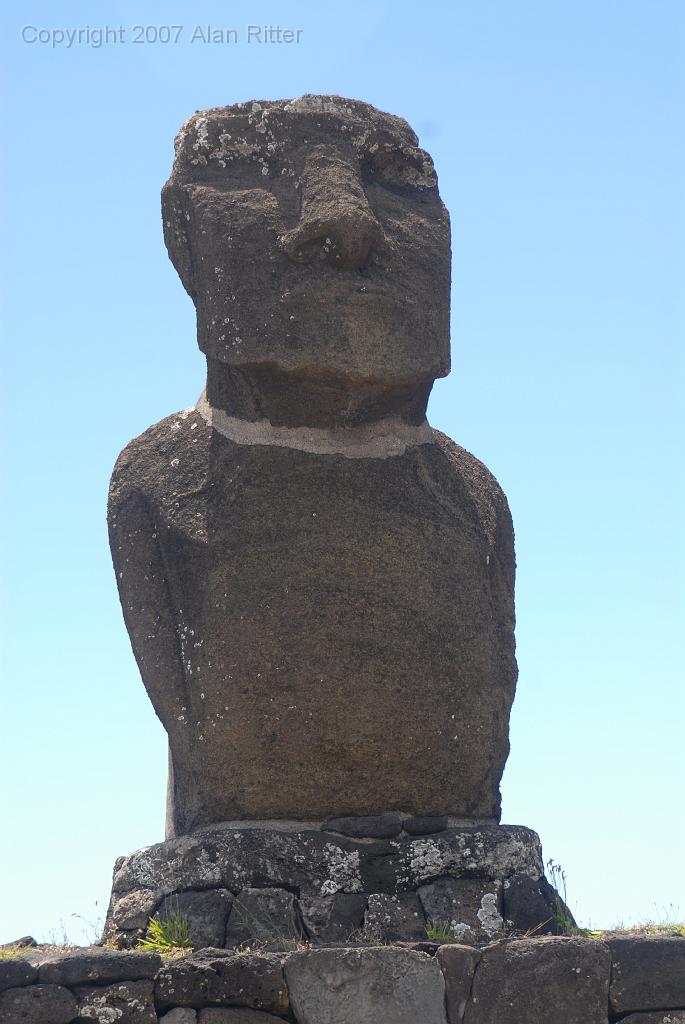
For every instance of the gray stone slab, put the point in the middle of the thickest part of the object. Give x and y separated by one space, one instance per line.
15 972
37 1004
646 973
125 1002
219 977
458 965
379 985
98 965
537 981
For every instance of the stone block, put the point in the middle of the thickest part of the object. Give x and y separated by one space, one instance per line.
395 917
646 973
425 826
205 913
98 966
135 909
536 981
468 907
179 1015
376 826
458 965
333 918
37 1004
217 977
378 985
15 972
531 904
263 915
125 1002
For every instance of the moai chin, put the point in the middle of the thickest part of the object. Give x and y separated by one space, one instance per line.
318 587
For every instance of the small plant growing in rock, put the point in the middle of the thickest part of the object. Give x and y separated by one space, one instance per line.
439 931
167 934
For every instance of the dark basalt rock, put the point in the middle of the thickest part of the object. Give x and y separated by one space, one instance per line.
16 972
646 973
424 826
206 914
214 977
533 905
333 919
313 865
535 981
103 965
395 917
124 1002
377 826
37 1004
264 915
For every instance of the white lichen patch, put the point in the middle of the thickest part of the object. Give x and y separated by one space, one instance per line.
489 916
426 860
342 869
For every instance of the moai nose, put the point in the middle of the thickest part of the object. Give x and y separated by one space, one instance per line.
336 221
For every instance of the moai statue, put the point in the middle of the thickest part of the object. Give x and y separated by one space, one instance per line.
318 587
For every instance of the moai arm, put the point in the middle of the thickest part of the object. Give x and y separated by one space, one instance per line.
144 593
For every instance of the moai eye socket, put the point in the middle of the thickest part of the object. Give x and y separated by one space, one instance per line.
395 167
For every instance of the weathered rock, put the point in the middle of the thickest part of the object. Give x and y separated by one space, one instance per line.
22 943
263 915
227 1015
314 863
380 985
535 981
206 914
98 965
647 973
15 972
425 826
37 1004
333 918
219 977
317 251
179 1015
135 909
395 917
125 1002
469 907
458 965
533 905
658 1017
376 826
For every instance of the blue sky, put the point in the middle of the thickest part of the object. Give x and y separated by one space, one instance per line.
556 130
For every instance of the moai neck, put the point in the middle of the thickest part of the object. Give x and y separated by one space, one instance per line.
261 393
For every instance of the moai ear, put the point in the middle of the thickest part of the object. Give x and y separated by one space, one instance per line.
176 216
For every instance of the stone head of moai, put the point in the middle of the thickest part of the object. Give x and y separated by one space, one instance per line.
312 239
318 587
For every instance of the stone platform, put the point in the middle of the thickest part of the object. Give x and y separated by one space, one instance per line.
521 981
274 882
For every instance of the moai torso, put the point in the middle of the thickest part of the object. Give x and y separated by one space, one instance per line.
317 586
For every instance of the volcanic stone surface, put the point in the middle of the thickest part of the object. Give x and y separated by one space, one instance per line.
317 586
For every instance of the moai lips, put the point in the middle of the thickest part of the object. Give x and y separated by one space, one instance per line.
317 586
